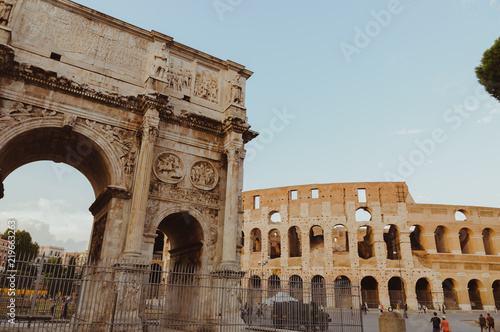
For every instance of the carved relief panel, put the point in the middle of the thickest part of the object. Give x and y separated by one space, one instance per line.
203 175
207 84
168 168
13 112
180 75
5 11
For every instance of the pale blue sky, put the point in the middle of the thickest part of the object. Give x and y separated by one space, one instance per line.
355 118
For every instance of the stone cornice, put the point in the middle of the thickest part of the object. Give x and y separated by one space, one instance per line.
51 80
109 193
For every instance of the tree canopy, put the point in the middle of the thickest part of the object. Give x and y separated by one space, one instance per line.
25 247
488 72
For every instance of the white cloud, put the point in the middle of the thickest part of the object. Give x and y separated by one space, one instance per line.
410 131
485 119
51 222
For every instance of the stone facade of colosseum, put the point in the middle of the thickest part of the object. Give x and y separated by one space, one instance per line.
375 235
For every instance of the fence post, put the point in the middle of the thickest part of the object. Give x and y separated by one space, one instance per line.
37 285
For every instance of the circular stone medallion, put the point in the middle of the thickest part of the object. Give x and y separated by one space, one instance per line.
169 168
203 175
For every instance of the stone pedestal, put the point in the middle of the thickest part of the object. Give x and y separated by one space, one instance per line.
391 322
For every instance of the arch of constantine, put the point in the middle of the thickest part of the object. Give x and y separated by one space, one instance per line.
374 235
157 127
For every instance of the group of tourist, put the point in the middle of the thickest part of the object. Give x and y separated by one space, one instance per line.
485 323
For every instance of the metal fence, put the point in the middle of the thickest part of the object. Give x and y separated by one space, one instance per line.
50 296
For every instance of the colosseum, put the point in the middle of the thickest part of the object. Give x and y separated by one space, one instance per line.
374 235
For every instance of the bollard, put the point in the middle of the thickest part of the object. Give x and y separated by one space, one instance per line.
391 322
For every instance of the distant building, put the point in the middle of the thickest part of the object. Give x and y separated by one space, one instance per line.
82 258
49 252
67 257
4 251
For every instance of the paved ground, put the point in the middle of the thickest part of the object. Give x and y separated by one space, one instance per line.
459 321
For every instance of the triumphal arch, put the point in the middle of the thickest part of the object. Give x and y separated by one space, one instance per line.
158 128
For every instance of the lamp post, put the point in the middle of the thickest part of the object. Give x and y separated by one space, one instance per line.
262 263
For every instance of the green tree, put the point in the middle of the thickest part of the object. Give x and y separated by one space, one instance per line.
488 72
25 247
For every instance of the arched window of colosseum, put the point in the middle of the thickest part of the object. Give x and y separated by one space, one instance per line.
416 238
460 215
450 294
369 292
294 242
489 247
397 292
365 242
316 238
274 284
342 291
496 293
440 239
256 238
340 239
464 236
296 287
476 302
318 290
391 239
275 217
274 243
254 282
363 215
423 291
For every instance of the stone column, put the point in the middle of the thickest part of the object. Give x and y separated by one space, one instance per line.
453 243
405 248
133 243
429 242
232 203
477 244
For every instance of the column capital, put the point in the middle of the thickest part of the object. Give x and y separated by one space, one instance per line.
150 124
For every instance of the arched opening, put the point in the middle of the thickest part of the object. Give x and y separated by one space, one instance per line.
254 292
489 247
256 238
475 295
342 290
365 242
391 239
296 287
275 217
274 283
363 215
274 244
317 245
242 244
450 294
369 292
185 236
318 290
464 236
416 238
51 201
496 293
155 278
340 239
397 293
460 215
440 235
424 294
294 242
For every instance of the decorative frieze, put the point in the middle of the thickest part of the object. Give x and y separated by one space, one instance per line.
13 113
168 191
206 84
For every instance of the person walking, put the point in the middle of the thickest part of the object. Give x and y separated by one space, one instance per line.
490 322
436 323
482 322
366 308
443 306
445 325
